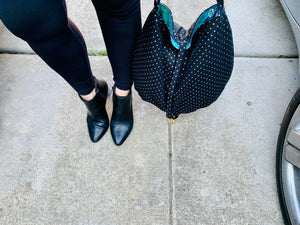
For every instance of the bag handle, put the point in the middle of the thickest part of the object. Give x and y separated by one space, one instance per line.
219 2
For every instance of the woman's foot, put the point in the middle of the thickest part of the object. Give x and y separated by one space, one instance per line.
122 117
97 118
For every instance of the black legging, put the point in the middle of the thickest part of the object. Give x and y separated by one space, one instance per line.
44 25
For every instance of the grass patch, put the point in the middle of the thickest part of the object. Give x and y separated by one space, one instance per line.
101 53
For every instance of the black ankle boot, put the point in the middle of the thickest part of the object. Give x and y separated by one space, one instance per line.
122 118
97 119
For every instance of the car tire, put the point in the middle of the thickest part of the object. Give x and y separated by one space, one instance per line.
293 105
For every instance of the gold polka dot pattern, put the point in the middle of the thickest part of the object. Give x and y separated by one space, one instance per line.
185 79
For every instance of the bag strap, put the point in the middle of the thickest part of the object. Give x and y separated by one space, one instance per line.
156 3
219 2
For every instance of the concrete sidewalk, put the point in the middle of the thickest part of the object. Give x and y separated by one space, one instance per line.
213 166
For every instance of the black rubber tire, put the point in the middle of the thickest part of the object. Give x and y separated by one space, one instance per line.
294 103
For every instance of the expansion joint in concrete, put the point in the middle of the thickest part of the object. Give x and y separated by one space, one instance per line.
12 52
171 182
267 56
9 52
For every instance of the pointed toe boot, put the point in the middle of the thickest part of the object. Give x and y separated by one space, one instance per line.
97 118
122 118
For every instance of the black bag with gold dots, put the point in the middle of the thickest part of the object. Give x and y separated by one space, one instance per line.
179 70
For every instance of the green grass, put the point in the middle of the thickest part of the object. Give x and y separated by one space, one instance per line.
101 53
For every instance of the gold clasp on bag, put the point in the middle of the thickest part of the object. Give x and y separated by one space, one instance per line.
171 121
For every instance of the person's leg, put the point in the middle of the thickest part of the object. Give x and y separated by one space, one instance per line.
120 22
44 25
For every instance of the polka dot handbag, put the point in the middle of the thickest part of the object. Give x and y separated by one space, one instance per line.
179 70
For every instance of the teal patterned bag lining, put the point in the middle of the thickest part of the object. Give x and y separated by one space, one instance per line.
165 13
